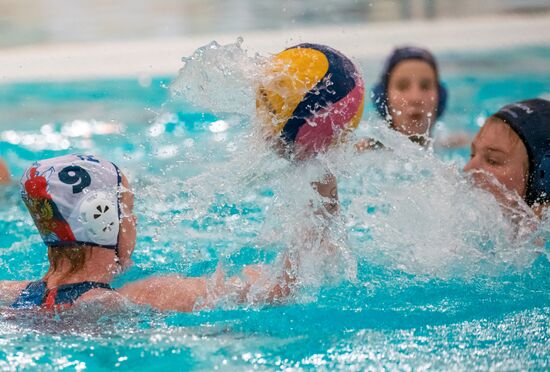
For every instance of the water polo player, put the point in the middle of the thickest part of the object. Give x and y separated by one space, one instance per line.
409 95
513 146
82 208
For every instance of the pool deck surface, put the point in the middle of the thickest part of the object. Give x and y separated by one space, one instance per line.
154 57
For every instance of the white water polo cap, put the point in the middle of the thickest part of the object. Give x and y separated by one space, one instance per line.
74 200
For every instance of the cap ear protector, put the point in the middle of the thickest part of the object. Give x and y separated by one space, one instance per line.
540 180
380 101
99 216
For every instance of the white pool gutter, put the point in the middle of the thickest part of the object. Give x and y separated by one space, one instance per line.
153 57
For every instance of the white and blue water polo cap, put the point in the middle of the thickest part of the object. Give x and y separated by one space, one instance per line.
74 200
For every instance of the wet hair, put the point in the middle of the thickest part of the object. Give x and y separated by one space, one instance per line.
75 256
380 90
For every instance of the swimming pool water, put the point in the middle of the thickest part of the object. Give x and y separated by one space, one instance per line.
439 284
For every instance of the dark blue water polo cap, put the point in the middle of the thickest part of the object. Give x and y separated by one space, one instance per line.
380 90
530 119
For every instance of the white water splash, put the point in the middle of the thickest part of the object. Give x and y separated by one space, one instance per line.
218 78
416 213
402 208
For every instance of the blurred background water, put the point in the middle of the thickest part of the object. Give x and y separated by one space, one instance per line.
25 22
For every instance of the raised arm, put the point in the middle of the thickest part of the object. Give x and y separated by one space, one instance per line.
171 292
255 284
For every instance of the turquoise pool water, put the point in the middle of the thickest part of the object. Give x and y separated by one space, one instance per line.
429 276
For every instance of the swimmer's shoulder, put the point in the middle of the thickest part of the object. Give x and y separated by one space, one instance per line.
11 289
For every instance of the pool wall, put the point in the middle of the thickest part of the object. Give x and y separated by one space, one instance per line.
162 56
